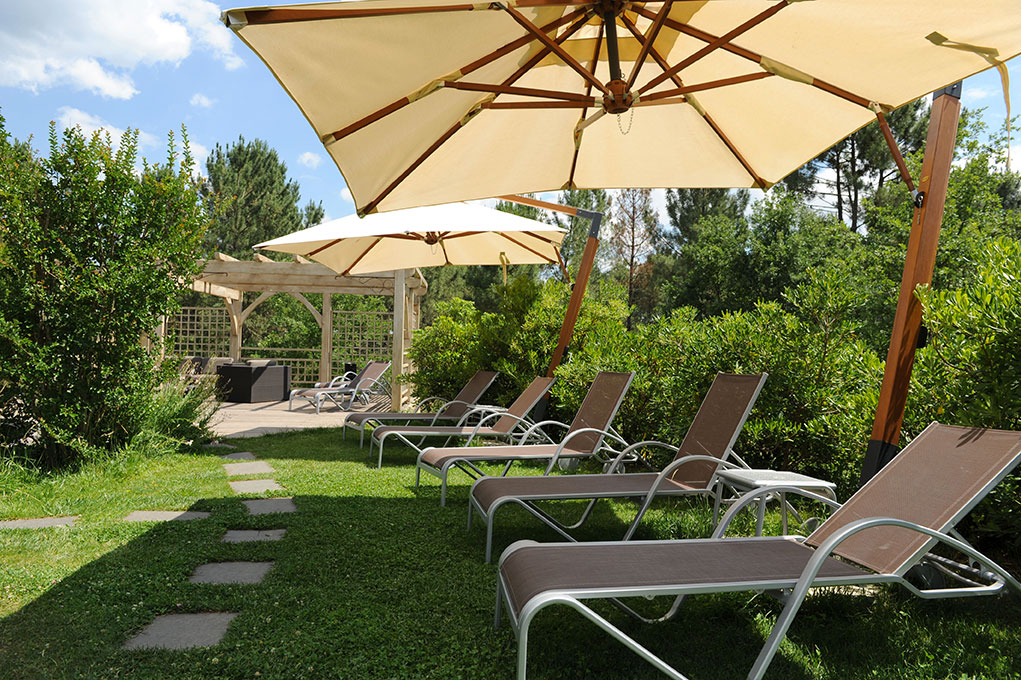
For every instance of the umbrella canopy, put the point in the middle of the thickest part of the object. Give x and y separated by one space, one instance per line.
428 101
432 236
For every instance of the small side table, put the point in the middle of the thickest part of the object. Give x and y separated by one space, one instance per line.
741 479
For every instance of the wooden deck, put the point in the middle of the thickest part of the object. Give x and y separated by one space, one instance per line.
234 420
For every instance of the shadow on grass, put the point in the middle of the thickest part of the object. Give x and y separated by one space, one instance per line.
369 587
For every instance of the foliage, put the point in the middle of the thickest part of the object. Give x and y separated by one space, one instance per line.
91 254
260 202
635 227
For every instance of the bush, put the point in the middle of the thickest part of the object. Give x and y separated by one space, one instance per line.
92 252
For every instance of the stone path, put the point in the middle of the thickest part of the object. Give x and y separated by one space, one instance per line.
188 631
39 522
165 515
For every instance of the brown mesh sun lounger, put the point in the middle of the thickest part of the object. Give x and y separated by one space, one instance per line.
877 536
706 447
505 425
450 412
585 437
367 382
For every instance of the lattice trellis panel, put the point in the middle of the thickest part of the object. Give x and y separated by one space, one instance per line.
200 331
361 336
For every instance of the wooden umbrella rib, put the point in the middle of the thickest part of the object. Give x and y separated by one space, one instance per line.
649 41
523 246
556 48
360 257
519 91
750 55
262 17
709 85
539 237
517 106
538 203
322 248
715 44
708 119
469 68
541 54
588 91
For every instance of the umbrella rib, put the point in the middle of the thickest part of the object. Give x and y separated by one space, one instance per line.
322 248
531 250
709 120
588 91
359 258
520 91
557 49
541 54
714 44
752 56
256 17
535 105
709 85
463 71
650 40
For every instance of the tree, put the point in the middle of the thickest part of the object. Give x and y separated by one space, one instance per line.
686 207
596 200
635 225
92 252
260 202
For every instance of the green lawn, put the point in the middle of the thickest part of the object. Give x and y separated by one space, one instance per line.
374 580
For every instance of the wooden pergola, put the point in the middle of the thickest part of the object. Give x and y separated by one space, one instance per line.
228 278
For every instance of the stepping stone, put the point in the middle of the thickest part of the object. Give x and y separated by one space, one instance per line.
182 631
164 515
251 535
255 486
240 455
252 468
266 506
38 523
215 444
231 572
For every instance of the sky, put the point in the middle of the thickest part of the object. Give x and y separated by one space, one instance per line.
157 64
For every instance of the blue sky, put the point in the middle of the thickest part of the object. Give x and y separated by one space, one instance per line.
157 64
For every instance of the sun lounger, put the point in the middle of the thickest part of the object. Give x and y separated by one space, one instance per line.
500 425
584 438
367 383
449 412
706 447
884 530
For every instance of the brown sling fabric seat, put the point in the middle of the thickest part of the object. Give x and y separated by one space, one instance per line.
449 411
498 425
706 447
877 536
584 437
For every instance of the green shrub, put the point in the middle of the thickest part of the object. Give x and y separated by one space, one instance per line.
92 252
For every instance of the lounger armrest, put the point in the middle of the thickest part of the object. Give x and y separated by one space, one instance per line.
634 447
528 433
753 497
493 416
572 435
485 409
427 400
448 404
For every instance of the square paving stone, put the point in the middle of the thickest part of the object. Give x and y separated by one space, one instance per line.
231 572
265 506
165 515
255 486
38 522
182 631
216 444
240 455
252 468
251 535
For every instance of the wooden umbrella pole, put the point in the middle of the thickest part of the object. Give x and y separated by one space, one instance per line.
918 267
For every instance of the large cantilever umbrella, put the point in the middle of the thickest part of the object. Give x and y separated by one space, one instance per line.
433 236
429 101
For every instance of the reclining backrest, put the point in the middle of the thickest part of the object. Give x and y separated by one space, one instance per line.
368 377
598 409
523 404
717 425
471 393
935 481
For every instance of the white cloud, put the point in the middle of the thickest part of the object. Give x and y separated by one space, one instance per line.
977 93
70 116
96 45
345 193
310 159
199 152
200 100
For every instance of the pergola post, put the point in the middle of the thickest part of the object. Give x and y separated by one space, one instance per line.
326 334
234 309
918 267
397 365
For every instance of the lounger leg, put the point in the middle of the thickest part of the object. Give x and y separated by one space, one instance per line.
443 489
379 464
471 513
499 604
489 538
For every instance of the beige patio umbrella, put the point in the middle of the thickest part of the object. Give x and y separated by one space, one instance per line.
432 236
429 101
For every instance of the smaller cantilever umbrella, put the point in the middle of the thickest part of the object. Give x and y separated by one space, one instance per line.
456 233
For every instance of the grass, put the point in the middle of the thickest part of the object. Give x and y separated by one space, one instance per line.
375 580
